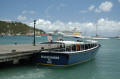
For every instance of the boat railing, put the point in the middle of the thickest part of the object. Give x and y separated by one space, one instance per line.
77 47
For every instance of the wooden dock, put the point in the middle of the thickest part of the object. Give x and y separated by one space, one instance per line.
15 53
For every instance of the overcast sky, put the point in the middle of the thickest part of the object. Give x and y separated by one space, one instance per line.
61 15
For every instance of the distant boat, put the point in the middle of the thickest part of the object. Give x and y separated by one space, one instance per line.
77 35
67 33
99 38
72 34
118 38
67 53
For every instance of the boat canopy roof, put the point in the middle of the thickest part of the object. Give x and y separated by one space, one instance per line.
70 42
63 42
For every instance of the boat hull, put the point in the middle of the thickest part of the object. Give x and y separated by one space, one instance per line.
51 58
65 59
82 56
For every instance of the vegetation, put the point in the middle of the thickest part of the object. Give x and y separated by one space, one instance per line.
17 28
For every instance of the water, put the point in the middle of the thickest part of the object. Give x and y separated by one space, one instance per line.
106 65
26 39
21 39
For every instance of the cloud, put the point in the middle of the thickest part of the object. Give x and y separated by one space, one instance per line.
22 18
118 0
91 7
5 19
42 24
103 7
97 10
28 12
106 6
105 27
108 25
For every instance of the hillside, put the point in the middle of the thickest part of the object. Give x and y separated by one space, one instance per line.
17 28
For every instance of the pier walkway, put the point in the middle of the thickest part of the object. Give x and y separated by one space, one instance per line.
21 51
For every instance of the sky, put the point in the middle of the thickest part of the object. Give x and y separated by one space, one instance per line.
50 15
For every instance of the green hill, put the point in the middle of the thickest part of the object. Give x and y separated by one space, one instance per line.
17 28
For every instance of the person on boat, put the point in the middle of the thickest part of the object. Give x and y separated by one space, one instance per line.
78 46
49 37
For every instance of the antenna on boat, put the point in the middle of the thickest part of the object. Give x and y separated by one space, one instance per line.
96 29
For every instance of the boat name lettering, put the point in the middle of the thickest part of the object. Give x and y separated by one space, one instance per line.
50 57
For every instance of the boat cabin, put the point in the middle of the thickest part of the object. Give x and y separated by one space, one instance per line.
70 46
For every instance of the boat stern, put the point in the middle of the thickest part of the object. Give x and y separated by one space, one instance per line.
51 58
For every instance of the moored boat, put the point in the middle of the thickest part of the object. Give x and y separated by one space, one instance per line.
68 53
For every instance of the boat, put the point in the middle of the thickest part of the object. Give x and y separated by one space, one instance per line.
77 35
97 36
100 38
118 38
74 34
67 53
67 33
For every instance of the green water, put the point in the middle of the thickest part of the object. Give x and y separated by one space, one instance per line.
106 65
